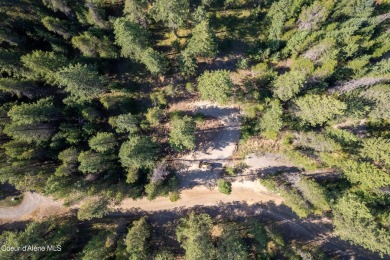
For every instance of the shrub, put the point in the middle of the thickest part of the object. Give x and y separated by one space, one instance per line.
224 187
189 87
215 86
174 196
154 116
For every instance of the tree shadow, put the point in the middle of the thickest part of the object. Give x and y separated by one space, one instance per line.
311 230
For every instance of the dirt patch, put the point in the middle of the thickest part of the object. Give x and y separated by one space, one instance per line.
33 205
250 192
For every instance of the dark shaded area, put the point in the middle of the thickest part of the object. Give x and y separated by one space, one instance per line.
307 231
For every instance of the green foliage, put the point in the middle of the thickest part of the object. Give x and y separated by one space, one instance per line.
182 134
30 133
93 207
292 198
295 201
224 187
300 159
53 231
317 109
317 141
355 8
358 66
174 196
91 114
103 142
366 175
19 150
377 149
9 62
96 14
341 136
263 72
187 64
215 86
29 113
189 87
314 193
230 171
96 248
194 235
164 255
154 116
154 61
94 45
131 37
313 16
69 158
259 233
58 26
158 98
124 123
138 152
82 82
44 65
135 11
379 96
62 134
271 121
302 67
134 41
202 42
231 245
278 14
93 162
136 240
172 12
352 218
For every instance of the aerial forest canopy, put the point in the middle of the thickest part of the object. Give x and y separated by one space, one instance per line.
86 88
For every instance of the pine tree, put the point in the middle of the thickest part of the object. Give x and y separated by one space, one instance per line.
58 26
377 149
317 109
194 235
138 152
271 121
215 86
82 82
135 11
44 65
172 12
202 42
182 135
103 142
94 45
136 240
42 110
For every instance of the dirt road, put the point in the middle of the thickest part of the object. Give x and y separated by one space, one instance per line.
249 192
217 151
197 186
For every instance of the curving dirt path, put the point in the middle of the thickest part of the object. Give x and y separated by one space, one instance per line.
197 187
33 204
